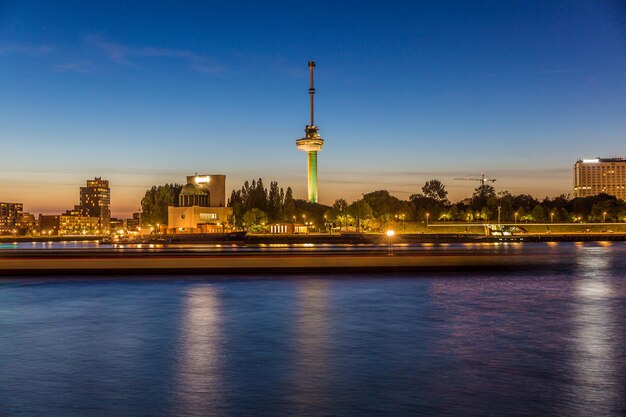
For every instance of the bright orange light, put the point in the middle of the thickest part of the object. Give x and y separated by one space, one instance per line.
390 233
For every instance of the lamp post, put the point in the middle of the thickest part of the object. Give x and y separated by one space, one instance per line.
515 217
604 217
427 216
390 234
552 217
403 225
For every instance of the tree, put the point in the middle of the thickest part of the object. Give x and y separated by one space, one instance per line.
255 220
482 193
360 210
274 204
155 202
436 190
539 214
612 208
340 205
384 206
338 213
289 205
422 205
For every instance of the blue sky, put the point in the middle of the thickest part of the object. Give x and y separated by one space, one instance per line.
146 93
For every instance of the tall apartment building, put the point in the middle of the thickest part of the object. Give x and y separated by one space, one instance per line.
10 217
95 201
600 175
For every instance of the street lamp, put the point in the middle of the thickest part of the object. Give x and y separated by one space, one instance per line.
427 216
390 234
604 217
552 217
515 217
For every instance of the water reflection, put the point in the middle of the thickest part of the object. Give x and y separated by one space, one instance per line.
509 340
595 367
198 382
311 360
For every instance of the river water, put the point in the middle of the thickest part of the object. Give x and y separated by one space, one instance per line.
455 344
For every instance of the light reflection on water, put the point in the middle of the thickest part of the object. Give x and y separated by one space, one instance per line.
312 348
595 357
459 344
198 383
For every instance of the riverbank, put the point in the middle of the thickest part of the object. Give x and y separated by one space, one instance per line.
294 259
345 239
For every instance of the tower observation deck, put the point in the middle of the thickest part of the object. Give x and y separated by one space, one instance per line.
312 142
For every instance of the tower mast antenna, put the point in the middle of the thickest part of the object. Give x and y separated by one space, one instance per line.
312 91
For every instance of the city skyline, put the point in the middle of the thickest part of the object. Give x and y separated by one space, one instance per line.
406 95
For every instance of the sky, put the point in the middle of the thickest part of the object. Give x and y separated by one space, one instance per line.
144 93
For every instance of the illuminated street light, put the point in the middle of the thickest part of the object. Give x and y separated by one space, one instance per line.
604 217
427 216
552 217
390 234
515 217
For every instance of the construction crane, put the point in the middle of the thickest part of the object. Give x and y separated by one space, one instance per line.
483 180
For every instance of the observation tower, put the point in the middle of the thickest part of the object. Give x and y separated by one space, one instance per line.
311 143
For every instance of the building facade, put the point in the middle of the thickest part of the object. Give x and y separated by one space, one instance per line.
10 217
134 223
95 201
600 175
201 206
49 224
73 222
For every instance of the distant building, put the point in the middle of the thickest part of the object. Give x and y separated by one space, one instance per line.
28 224
201 206
10 217
116 224
288 229
134 223
91 217
73 222
600 175
95 201
49 225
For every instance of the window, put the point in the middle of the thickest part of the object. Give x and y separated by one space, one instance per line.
209 216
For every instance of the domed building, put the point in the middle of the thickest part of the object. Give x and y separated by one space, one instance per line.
201 206
192 195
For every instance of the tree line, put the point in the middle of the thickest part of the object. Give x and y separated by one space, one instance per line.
256 206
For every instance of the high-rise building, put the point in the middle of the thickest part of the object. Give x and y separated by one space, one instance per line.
10 217
95 201
600 175
311 143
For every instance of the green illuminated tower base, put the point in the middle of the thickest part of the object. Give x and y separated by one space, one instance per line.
311 143
312 180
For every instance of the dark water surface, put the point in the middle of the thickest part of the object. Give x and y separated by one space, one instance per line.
543 343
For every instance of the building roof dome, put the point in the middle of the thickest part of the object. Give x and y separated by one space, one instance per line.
192 189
